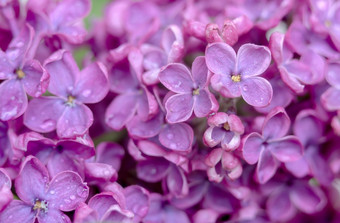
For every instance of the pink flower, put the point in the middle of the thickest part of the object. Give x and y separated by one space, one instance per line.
236 75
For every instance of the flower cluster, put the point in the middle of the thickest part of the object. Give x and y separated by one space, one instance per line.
161 111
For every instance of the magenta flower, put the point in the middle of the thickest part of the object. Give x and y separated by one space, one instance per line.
191 93
330 98
224 129
43 199
272 146
21 74
235 75
66 111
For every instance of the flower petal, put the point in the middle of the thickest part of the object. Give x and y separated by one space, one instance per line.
177 137
252 60
200 72
286 149
137 201
179 107
54 216
138 128
224 85
177 78
330 99
36 78
252 146
17 212
13 99
205 103
32 180
220 58
256 91
276 124
75 121
332 76
43 113
66 190
92 84
279 206
267 166
152 170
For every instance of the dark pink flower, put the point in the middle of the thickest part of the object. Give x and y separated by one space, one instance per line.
234 75
191 93
43 199
66 111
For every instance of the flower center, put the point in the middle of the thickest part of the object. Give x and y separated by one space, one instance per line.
70 100
196 92
40 205
236 78
328 23
20 74
226 126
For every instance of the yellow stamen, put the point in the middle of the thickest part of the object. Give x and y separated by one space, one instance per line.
70 99
196 92
20 74
236 78
226 126
328 23
40 205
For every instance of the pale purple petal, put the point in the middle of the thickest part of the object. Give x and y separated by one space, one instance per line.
177 137
252 146
43 113
92 84
279 206
84 213
276 124
99 173
116 214
205 216
330 99
266 167
219 199
213 136
204 103
176 182
36 78
194 196
177 78
256 91
66 190
74 121
138 128
220 58
63 71
298 168
152 170
5 66
224 85
53 216
110 153
32 180
332 76
17 212
200 72
252 60
13 99
286 149
179 108
58 162
137 201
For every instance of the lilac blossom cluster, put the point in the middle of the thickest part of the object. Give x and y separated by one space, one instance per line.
177 111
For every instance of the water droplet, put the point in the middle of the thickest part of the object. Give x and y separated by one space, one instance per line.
86 93
52 192
12 98
153 171
72 197
67 201
61 206
173 146
245 87
20 44
82 191
47 124
170 136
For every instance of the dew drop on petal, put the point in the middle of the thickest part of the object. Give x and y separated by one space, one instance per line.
86 93
72 197
47 124
82 191
170 136
52 192
173 146
245 87
67 201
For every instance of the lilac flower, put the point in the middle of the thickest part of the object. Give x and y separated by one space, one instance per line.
235 76
43 199
272 147
66 111
191 93
6 195
228 34
330 98
224 129
21 74
296 73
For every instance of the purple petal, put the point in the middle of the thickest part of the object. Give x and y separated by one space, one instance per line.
110 153
100 203
179 107
63 71
13 102
137 201
84 213
116 214
286 149
152 170
276 124
220 58
43 113
36 78
252 147
174 215
252 60
330 99
213 136
176 182
75 121
6 67
224 85
121 110
92 84
17 212
266 167
205 216
332 75
138 128
299 168
307 199
58 162
99 172
195 195
205 103
279 206
173 43
200 72
177 78
53 216
32 180
320 168
66 190
177 137
256 91
69 11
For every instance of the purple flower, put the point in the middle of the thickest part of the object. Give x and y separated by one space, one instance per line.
224 129
6 195
272 146
66 111
330 98
21 74
191 93
236 75
43 199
